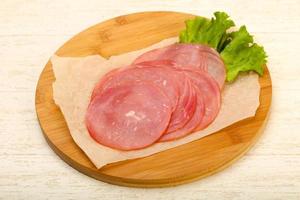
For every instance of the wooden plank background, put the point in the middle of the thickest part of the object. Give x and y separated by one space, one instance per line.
30 31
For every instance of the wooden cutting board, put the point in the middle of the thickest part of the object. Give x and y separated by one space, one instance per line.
182 164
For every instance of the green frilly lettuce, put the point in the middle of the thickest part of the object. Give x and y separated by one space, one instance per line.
237 49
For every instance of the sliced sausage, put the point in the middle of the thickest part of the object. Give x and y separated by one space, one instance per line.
211 94
187 101
191 125
192 56
128 116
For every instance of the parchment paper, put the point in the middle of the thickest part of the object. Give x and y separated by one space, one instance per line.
75 80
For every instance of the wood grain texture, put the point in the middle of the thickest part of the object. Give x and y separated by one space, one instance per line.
172 167
31 31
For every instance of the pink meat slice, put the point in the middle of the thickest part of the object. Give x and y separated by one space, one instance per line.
128 116
186 106
192 56
156 75
187 101
191 125
211 94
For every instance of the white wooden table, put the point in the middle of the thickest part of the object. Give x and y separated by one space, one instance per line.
30 31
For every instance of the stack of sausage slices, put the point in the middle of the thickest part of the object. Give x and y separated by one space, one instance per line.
164 95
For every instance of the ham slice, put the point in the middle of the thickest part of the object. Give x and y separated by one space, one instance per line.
186 105
128 116
187 101
211 94
208 104
192 56
191 125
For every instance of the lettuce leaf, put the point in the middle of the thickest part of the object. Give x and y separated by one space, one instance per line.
204 31
237 49
241 55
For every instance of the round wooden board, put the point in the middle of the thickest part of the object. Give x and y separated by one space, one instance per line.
179 165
